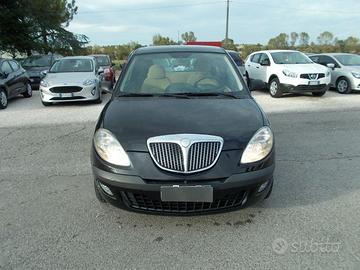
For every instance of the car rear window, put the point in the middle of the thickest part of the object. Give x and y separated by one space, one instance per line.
102 60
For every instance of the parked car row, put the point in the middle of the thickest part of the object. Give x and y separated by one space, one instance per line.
288 71
59 79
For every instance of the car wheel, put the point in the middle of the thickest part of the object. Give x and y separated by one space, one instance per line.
3 99
318 94
46 103
275 88
248 80
98 194
343 86
28 91
270 190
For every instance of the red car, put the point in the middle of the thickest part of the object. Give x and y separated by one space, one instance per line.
104 61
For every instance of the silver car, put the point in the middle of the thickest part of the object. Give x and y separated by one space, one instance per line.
75 78
345 70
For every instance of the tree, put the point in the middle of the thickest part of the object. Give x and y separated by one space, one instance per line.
293 38
279 42
325 38
188 36
39 25
160 40
304 39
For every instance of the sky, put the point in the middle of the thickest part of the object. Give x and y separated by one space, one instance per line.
112 22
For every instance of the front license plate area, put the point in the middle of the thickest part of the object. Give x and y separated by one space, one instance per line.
178 193
314 82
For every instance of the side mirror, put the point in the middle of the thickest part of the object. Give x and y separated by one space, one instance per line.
100 71
331 65
43 73
3 75
265 62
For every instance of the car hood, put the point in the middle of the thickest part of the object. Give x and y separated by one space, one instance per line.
134 120
305 68
69 77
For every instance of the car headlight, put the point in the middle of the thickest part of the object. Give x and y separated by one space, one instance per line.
109 149
356 74
44 83
89 82
289 73
259 146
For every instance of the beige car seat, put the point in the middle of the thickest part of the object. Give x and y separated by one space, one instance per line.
156 80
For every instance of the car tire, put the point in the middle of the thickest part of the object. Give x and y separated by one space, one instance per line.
46 104
343 85
318 94
275 88
28 91
3 99
98 194
248 82
270 190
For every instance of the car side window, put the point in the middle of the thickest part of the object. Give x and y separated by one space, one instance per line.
324 60
256 58
6 68
264 58
14 65
315 58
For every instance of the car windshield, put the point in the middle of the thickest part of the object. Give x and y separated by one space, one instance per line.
348 59
290 58
102 60
72 65
180 73
37 61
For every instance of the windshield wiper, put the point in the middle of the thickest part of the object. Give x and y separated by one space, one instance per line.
151 95
208 94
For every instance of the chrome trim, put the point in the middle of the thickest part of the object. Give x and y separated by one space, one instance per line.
185 141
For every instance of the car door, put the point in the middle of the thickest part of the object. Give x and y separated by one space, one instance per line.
336 72
264 63
9 79
19 77
253 66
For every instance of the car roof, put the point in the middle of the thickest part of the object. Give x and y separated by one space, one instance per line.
179 48
99 55
272 51
335 53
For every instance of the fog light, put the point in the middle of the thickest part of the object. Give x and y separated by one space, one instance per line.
262 187
93 91
106 189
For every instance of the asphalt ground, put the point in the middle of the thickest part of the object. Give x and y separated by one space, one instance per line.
51 219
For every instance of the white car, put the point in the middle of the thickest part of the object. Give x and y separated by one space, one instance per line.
287 71
75 78
345 70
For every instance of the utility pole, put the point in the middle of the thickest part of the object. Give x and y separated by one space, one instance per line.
227 22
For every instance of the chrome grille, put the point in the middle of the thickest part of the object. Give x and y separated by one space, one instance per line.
168 155
185 153
202 154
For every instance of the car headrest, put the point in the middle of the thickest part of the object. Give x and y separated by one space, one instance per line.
156 72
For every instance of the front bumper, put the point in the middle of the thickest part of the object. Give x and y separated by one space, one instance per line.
289 88
35 82
355 83
87 93
132 192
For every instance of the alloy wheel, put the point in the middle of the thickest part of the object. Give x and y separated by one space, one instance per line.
273 88
342 86
3 99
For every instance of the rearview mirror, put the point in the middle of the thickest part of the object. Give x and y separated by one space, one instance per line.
331 65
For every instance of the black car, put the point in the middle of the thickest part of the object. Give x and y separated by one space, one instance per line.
36 64
13 81
179 139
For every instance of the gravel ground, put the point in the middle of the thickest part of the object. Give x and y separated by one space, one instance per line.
50 218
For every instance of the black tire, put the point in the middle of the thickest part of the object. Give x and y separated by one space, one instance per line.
318 94
3 99
99 196
248 82
270 190
46 104
343 85
276 91
28 91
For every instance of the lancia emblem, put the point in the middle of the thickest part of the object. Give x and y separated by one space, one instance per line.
185 142
313 76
